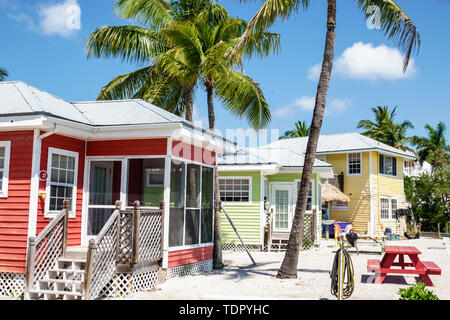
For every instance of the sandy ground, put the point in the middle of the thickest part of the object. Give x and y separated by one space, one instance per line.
241 280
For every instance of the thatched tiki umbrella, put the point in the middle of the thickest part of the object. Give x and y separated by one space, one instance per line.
329 194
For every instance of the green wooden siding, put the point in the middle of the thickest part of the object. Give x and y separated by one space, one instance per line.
246 217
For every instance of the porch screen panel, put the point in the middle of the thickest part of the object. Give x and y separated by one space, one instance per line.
176 217
192 232
207 205
146 182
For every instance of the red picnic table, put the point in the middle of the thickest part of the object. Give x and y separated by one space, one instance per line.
422 268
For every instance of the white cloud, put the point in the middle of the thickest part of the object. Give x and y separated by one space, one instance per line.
314 72
198 119
62 18
366 62
307 103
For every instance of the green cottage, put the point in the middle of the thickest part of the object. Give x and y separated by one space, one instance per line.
256 181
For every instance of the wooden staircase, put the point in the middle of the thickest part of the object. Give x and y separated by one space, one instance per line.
64 281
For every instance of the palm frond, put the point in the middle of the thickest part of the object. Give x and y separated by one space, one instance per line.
131 43
125 86
152 13
3 74
396 25
244 98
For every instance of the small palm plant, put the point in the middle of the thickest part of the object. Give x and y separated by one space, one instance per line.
3 74
301 130
385 129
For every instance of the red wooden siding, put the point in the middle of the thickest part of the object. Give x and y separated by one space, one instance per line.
14 210
182 257
69 144
194 153
136 147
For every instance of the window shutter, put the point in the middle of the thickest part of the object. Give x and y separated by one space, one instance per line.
381 163
394 166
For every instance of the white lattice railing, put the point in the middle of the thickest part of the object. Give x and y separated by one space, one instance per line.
101 258
150 236
45 249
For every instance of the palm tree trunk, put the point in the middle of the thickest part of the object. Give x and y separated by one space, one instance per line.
189 102
217 251
288 268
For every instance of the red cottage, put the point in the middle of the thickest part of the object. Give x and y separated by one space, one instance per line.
94 154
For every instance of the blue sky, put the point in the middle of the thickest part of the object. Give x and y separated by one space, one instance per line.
38 49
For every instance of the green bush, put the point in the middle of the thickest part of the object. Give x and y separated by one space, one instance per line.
417 292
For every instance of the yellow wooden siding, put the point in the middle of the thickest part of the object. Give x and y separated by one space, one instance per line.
358 212
392 187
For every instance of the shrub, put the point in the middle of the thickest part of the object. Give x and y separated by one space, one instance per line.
417 292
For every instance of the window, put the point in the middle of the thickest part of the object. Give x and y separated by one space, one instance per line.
384 208
388 208
5 148
235 189
62 184
191 204
310 195
354 164
393 208
154 177
388 165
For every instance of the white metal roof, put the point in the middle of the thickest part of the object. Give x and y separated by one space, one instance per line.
18 99
260 156
338 143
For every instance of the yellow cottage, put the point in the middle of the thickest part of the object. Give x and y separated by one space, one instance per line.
372 178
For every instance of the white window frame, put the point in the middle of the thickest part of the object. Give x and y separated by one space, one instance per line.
360 164
389 198
150 171
313 194
4 189
62 152
250 187
396 166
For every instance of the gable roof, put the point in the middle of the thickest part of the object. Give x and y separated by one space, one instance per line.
339 143
19 99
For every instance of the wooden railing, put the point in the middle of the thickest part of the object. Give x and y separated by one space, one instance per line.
45 249
101 257
129 239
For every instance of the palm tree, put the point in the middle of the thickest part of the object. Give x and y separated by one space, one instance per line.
385 130
301 130
140 45
396 25
3 74
198 56
186 46
435 143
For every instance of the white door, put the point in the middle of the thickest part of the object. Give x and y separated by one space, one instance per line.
100 200
282 199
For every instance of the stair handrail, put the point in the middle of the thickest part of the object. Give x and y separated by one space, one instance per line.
101 257
45 249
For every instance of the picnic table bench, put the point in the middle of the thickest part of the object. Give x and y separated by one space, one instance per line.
385 266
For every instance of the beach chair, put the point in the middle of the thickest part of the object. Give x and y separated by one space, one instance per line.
339 235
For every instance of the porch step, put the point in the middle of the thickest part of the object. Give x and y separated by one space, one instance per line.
62 282
54 295
76 253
